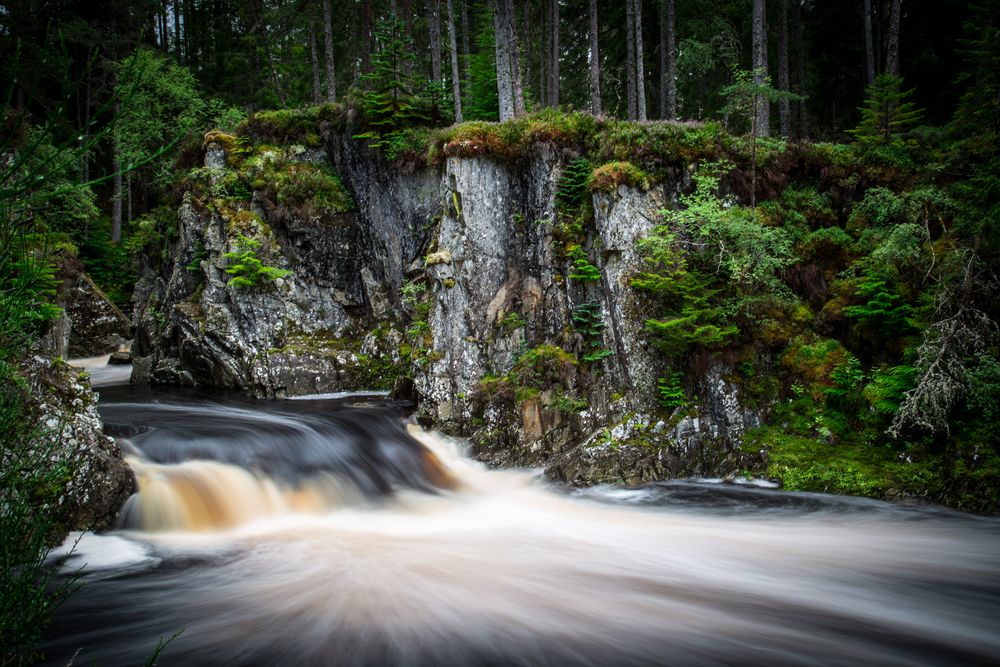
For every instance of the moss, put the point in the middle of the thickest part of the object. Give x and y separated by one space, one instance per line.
293 126
804 464
608 177
440 257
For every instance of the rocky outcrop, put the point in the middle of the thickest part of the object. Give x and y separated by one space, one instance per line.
90 324
99 480
326 325
519 330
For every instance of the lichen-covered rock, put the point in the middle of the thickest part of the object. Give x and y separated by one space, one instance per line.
90 324
100 480
492 285
296 333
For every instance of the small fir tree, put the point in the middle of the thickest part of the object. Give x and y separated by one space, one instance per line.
886 114
391 102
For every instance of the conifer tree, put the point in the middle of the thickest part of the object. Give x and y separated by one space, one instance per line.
886 113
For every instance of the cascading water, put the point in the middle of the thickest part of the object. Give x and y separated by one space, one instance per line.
323 533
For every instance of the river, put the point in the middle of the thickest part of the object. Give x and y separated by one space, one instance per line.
329 532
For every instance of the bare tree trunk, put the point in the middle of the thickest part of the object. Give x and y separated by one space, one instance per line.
762 106
525 56
177 30
366 36
501 25
784 112
630 57
331 80
640 72
869 46
407 12
544 52
800 67
164 33
466 50
515 59
456 87
314 56
434 24
892 48
595 63
393 9
554 71
116 192
663 58
671 61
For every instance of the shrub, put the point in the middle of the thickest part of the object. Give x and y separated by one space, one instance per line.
246 269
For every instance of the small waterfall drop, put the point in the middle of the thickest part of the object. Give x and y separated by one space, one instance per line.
324 534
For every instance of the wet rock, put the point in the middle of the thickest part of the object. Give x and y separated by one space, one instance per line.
100 479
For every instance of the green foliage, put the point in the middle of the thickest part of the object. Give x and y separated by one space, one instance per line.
583 270
482 100
669 392
33 476
589 322
246 268
573 185
544 366
390 100
161 105
886 114
743 94
883 311
292 126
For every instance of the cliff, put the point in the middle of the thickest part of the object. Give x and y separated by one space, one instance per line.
451 282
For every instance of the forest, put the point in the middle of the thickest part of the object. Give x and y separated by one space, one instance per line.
819 184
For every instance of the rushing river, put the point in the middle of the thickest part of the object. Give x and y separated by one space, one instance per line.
327 532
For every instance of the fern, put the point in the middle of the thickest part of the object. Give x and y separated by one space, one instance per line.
246 268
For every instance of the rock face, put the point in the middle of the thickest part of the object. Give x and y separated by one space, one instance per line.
90 324
326 325
101 480
518 332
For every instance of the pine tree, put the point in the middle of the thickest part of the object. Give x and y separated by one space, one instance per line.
886 114
391 103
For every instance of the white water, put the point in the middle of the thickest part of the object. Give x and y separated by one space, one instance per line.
503 569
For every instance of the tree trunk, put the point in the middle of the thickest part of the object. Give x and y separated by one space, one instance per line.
544 52
595 63
456 87
393 9
784 112
331 80
466 50
640 72
407 12
800 67
554 71
366 36
314 56
630 57
671 61
515 59
869 45
762 106
434 24
190 23
892 48
177 31
116 192
164 36
501 25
